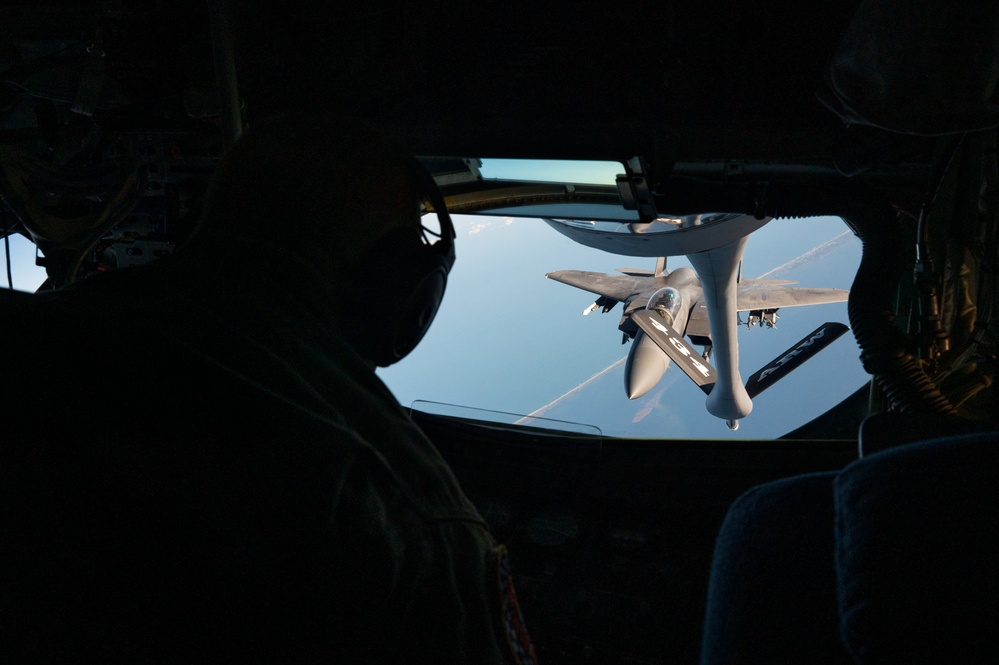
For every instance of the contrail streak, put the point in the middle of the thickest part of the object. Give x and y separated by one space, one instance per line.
550 405
810 255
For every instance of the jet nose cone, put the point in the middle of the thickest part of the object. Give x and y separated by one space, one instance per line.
636 389
646 365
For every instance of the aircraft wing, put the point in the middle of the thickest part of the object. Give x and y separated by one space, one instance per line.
771 296
615 287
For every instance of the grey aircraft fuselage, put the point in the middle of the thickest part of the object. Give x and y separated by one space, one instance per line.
646 362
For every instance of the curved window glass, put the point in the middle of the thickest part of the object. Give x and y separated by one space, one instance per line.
666 301
507 339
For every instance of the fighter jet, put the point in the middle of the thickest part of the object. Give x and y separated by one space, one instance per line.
663 306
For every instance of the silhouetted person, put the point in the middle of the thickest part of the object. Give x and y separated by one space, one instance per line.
198 461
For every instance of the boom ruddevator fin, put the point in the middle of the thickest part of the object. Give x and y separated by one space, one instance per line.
794 357
679 351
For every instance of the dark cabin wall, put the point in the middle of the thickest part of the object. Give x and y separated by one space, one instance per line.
718 79
612 541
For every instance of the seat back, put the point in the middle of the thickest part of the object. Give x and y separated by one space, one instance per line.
893 559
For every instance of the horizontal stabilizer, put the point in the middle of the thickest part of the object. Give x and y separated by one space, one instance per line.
794 357
673 345
636 272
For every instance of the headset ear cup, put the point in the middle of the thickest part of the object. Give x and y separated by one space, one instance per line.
388 309
391 305
413 322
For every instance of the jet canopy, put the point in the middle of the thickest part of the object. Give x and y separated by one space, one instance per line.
666 302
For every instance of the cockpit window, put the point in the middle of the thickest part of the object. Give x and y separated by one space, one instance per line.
20 269
507 339
532 188
665 302
552 170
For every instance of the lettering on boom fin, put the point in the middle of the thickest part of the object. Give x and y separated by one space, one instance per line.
798 349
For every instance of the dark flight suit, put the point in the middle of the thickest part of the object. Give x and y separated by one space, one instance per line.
195 468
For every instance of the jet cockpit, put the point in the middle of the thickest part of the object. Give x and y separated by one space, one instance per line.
666 302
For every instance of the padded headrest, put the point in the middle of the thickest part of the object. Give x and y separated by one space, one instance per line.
917 552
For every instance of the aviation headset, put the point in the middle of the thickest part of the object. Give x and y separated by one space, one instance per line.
404 283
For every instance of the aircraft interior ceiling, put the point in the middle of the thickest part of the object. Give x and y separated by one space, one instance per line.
113 114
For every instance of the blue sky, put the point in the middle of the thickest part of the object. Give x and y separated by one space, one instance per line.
507 339
27 276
